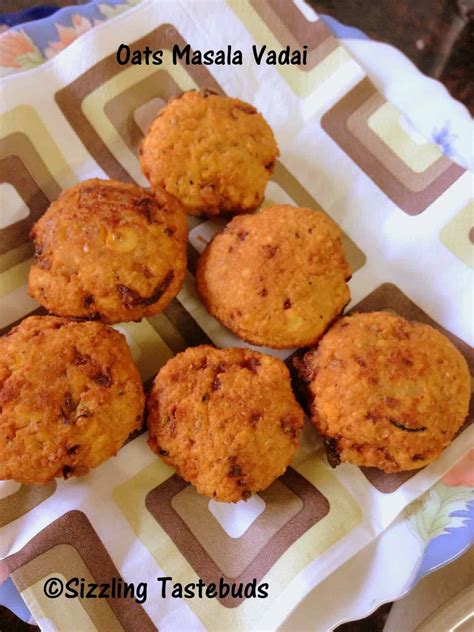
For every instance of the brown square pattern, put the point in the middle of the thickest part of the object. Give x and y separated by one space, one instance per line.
347 123
23 168
292 506
291 28
70 98
47 548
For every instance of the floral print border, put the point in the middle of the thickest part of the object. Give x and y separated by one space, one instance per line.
34 43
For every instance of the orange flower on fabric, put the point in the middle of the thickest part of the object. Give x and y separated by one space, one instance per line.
18 51
462 473
67 34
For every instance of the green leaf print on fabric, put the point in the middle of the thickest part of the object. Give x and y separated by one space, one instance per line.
430 515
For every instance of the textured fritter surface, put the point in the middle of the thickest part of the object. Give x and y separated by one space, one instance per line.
386 392
226 419
110 251
277 278
213 153
70 394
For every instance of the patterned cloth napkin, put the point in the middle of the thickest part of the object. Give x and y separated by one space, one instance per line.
405 210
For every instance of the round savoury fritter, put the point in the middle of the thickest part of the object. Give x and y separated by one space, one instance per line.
276 278
110 251
214 153
225 419
386 392
70 395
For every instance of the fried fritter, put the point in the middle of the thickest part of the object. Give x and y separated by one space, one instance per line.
110 251
277 278
225 419
386 392
214 153
70 395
